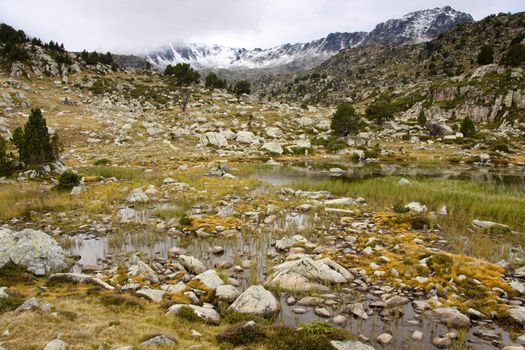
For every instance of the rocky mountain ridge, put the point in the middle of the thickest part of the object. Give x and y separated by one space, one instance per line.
414 27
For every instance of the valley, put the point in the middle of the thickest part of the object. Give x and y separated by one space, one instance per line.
195 217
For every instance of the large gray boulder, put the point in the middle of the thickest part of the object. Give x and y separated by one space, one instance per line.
306 274
214 138
350 345
39 253
210 279
273 147
191 264
256 301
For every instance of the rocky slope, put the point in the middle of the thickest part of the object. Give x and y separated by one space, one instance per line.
443 74
414 27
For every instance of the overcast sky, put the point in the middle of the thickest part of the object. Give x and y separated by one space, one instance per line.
134 26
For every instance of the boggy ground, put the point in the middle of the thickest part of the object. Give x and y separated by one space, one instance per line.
149 174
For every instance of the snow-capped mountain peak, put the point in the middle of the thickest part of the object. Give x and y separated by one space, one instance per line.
412 28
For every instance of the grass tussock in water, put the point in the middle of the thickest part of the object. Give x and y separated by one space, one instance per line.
465 201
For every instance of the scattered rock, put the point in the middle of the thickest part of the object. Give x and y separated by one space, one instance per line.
256 300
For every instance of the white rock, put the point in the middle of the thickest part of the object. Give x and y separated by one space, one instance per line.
256 300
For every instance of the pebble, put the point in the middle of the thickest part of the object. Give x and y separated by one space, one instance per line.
384 338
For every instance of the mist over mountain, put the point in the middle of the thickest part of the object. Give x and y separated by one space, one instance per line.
414 27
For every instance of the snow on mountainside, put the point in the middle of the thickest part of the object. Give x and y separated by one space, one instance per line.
414 27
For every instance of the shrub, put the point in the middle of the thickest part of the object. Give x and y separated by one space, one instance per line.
183 74
486 55
242 87
421 118
467 127
514 56
213 82
242 333
399 207
120 302
102 161
185 221
315 336
345 120
501 146
67 180
187 313
380 110
420 221
35 146
10 303
5 162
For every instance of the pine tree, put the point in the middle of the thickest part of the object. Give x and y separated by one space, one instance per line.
4 160
468 129
421 118
345 120
486 55
34 144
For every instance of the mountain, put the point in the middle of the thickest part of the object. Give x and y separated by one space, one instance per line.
414 27
442 76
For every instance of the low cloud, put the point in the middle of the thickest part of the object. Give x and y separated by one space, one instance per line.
135 26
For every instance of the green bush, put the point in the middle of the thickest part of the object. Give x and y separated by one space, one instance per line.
183 74
514 56
242 333
67 180
420 222
315 336
242 87
399 207
213 82
185 221
5 161
486 55
467 127
186 313
102 161
380 110
10 303
345 120
421 118
35 146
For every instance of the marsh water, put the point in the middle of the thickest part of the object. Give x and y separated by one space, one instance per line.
258 249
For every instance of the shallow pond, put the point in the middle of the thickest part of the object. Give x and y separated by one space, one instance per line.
258 250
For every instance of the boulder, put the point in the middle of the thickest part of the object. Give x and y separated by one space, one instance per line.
159 340
273 147
208 315
491 227
350 345
34 250
214 138
451 317
416 207
56 344
286 242
138 196
274 132
227 293
306 274
155 295
246 137
517 313
191 264
210 279
257 301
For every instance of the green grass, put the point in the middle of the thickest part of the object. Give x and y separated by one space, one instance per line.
170 213
118 172
465 201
